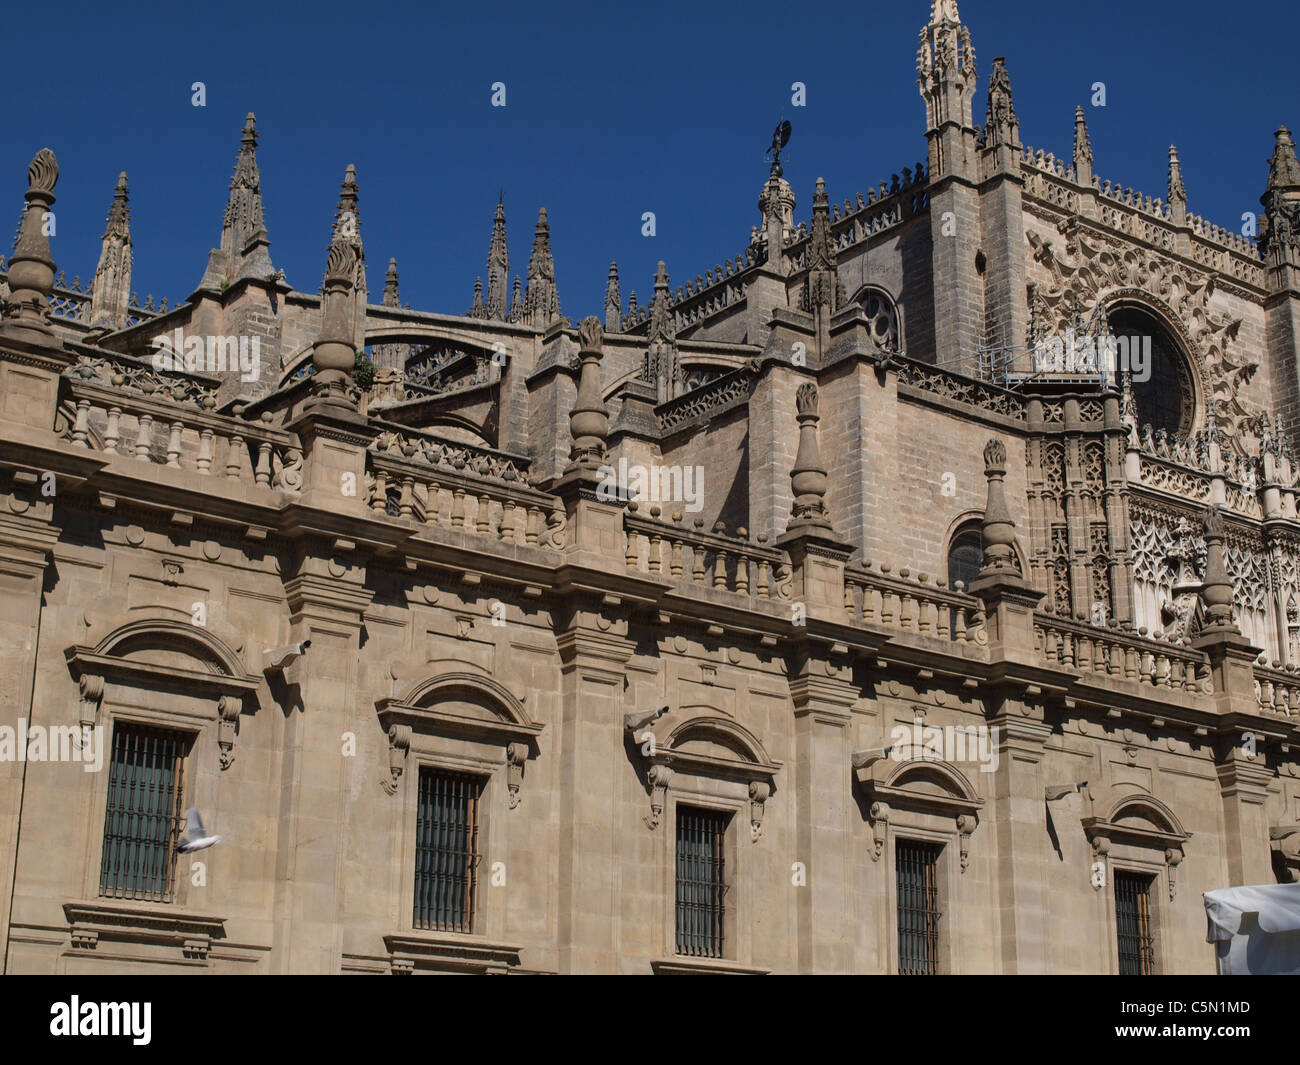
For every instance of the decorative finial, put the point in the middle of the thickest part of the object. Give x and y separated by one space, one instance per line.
589 420
31 270
1216 589
808 477
998 527
334 356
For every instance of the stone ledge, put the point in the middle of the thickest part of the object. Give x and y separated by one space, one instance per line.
682 966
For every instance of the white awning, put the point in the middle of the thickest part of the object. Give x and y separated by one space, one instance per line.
1255 929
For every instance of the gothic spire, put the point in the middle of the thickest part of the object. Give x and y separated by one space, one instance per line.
1001 126
1279 231
1082 148
31 270
613 302
946 75
661 318
541 299
112 287
347 216
498 265
392 298
516 303
823 287
1177 192
347 222
478 309
243 231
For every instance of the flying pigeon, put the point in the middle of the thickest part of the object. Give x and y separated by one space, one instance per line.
195 837
635 720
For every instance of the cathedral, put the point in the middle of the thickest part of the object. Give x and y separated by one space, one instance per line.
915 589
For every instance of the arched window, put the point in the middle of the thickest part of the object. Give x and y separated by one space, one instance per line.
965 555
1163 394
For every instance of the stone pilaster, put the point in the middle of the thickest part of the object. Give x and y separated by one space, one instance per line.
823 694
1023 846
594 649
319 693
26 539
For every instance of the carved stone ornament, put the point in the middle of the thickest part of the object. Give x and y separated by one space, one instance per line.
228 707
92 694
516 756
399 743
1088 271
879 814
759 792
657 779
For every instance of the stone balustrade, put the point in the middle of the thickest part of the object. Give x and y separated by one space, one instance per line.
460 487
122 407
912 604
679 552
1120 654
1278 690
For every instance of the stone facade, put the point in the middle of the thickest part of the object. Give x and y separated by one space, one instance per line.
345 575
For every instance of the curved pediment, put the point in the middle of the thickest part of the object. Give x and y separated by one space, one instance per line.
1138 810
166 645
718 736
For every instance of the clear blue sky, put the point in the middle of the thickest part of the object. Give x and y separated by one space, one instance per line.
612 110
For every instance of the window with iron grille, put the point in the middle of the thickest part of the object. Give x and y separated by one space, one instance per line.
142 822
701 881
917 866
446 850
1133 920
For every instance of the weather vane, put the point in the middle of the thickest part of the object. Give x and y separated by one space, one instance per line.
780 138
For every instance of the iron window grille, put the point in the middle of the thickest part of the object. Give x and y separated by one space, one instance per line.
143 817
917 866
701 881
1133 921
446 850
